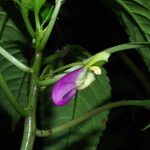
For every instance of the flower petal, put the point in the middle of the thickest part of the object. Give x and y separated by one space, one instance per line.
65 88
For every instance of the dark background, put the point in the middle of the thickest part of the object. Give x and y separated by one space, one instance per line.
93 26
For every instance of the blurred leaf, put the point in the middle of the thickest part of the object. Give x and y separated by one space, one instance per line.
135 15
14 77
87 134
38 4
27 3
145 3
30 4
46 14
78 52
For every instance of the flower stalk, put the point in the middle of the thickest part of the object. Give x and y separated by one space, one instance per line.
105 54
88 115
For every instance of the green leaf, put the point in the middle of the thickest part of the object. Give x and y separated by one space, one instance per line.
145 3
46 14
135 15
38 4
15 78
27 4
86 134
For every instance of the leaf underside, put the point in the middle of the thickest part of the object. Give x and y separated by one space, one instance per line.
15 78
135 15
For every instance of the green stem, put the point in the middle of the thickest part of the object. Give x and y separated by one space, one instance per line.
73 116
127 46
49 81
68 66
48 77
25 15
4 87
14 61
146 127
48 16
49 28
105 54
53 57
88 115
30 122
36 11
39 28
45 70
37 22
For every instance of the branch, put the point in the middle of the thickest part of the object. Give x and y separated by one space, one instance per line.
59 54
14 61
50 81
11 98
25 16
50 26
127 46
105 54
30 122
88 115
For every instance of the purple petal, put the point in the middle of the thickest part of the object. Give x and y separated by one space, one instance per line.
65 88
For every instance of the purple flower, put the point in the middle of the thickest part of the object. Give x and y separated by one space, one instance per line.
65 88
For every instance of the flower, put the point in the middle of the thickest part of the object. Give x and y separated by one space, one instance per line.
66 87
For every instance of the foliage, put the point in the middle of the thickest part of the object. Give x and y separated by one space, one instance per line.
135 15
15 78
31 86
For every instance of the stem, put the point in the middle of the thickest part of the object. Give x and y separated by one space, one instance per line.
145 128
49 81
14 61
50 26
36 11
128 46
25 15
45 70
53 57
88 115
30 122
20 110
48 16
68 66
73 116
105 54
